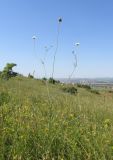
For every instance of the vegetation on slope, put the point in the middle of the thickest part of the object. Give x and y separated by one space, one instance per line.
42 124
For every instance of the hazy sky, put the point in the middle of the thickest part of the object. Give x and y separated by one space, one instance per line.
89 22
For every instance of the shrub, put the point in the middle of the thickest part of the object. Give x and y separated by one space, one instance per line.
30 76
53 81
71 90
8 72
44 79
84 86
95 91
111 91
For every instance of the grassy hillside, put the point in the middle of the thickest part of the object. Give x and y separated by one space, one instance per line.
45 123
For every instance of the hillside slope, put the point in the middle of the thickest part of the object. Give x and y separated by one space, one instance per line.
42 122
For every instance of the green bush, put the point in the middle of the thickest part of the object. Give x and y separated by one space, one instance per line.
30 76
94 91
84 86
44 79
71 90
111 91
8 72
53 81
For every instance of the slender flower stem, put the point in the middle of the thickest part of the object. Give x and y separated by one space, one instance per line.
57 43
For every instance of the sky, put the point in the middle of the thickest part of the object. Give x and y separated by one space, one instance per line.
89 22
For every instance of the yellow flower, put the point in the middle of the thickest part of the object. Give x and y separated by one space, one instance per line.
71 115
107 121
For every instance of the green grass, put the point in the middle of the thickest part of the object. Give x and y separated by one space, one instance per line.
37 125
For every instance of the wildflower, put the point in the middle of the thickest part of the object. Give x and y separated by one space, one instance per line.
60 20
71 115
107 121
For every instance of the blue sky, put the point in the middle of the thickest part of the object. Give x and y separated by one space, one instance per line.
89 22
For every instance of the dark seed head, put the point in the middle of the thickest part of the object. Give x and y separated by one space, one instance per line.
60 20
